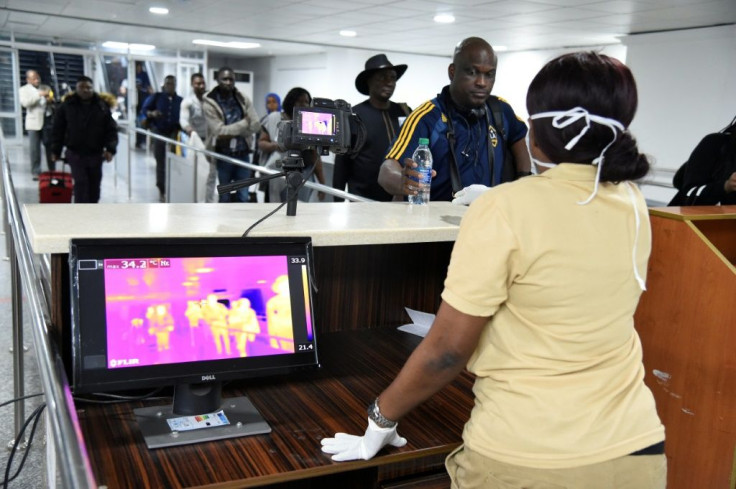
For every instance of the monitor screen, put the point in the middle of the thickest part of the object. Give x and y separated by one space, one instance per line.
185 311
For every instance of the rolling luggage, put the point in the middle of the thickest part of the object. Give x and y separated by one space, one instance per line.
55 187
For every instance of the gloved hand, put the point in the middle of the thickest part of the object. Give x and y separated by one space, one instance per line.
353 447
469 194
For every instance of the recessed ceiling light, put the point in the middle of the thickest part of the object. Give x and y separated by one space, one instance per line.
142 47
229 44
444 18
159 10
348 33
115 45
500 48
125 45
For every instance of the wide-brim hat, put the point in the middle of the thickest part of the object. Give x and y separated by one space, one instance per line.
376 63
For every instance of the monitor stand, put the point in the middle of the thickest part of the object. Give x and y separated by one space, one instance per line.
167 426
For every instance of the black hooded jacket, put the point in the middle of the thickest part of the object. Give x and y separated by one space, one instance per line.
700 180
85 128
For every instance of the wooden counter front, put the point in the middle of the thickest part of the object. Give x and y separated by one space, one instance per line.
687 323
301 409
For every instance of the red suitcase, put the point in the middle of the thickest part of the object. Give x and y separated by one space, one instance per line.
55 187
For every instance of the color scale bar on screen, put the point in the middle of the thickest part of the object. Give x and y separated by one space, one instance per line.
307 305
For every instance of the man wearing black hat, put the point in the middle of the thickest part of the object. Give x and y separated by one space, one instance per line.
382 119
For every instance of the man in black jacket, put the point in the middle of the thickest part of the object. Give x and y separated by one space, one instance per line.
84 125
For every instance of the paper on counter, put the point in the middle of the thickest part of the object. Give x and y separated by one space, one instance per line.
421 322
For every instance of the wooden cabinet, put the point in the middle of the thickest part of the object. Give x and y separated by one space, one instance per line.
687 323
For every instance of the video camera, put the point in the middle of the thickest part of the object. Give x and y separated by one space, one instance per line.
327 125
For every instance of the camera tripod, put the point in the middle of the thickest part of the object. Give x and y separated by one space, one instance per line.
292 165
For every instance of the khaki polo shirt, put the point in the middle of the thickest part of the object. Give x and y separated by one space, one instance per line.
559 365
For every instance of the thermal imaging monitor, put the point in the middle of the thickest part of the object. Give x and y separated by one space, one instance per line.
190 313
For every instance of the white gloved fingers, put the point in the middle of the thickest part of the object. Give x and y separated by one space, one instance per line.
341 441
352 447
343 446
346 437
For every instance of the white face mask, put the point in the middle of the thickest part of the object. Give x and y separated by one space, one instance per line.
542 164
563 118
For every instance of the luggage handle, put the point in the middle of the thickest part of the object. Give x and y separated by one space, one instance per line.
56 177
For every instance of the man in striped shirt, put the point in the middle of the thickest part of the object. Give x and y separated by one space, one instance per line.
463 132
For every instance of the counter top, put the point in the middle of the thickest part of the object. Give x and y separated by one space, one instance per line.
695 213
51 226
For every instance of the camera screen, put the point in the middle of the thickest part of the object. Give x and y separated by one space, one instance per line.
319 123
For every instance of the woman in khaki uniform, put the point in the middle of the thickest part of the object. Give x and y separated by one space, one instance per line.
539 301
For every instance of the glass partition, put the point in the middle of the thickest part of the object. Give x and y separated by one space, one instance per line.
115 70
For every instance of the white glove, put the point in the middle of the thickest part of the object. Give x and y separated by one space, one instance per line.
469 194
353 447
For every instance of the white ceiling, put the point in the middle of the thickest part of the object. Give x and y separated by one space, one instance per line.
303 26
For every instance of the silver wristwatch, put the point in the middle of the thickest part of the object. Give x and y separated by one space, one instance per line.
375 414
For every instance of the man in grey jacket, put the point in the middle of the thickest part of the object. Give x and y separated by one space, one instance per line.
231 123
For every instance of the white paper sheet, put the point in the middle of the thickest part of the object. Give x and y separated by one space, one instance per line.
421 322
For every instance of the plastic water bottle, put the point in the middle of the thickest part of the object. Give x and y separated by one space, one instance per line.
423 158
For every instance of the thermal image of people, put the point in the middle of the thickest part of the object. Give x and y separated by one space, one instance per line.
215 314
198 310
138 334
243 323
160 324
278 315
193 313
317 123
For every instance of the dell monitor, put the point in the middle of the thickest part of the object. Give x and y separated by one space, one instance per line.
190 313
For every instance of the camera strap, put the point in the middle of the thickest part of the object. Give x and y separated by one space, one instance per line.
454 174
455 180
494 121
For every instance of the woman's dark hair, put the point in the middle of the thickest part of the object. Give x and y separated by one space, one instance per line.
604 87
291 98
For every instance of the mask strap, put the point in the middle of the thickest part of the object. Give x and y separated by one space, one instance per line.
632 197
563 118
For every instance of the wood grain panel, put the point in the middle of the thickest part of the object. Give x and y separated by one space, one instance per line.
721 234
301 409
686 320
430 481
369 286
